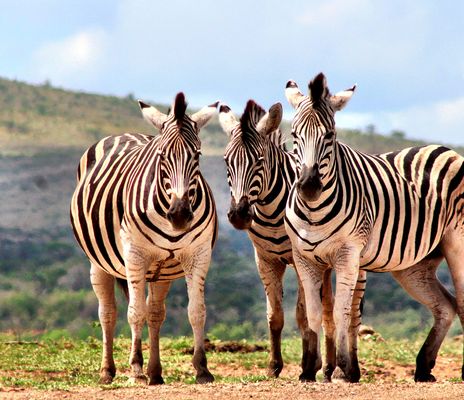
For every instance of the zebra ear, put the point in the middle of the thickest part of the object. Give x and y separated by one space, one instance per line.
152 115
293 94
341 99
227 119
271 121
203 116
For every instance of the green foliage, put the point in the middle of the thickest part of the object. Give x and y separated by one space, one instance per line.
228 331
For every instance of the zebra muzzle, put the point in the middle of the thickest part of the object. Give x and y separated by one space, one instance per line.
180 213
309 184
240 215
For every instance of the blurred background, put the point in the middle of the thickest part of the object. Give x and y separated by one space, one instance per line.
71 72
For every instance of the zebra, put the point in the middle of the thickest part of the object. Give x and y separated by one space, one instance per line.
260 174
142 212
401 212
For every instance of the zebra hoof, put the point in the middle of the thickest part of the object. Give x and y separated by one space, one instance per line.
274 369
106 379
106 376
426 377
339 376
139 380
206 377
307 377
156 380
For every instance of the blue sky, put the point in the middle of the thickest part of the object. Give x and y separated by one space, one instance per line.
406 56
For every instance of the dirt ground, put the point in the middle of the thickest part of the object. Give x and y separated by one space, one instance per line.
262 390
388 383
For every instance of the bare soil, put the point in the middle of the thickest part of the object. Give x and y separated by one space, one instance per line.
386 383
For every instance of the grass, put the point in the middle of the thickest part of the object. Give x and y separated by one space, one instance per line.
67 363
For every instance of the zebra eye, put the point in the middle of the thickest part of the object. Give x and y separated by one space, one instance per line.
197 154
329 135
161 154
259 162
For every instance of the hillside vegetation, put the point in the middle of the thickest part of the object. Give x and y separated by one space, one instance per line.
42 118
44 284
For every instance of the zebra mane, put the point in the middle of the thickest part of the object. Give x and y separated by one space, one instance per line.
279 138
318 88
250 118
180 106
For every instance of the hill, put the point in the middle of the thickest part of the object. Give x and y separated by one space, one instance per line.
36 118
41 118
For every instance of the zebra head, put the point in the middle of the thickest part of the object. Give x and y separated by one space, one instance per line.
178 152
314 134
245 157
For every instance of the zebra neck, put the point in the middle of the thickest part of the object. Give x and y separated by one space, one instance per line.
277 179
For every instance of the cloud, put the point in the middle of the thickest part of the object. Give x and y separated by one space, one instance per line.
75 60
441 121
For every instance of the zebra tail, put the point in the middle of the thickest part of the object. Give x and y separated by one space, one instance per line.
122 283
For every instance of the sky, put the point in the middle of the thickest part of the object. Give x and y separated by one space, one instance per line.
406 56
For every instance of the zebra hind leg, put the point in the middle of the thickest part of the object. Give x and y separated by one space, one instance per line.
356 316
103 286
271 276
453 249
421 282
156 314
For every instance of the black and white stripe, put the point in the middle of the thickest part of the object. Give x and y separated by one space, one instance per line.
142 212
260 174
400 212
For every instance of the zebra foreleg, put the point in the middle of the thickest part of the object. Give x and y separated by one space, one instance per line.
136 262
271 275
157 292
103 286
346 264
311 281
328 324
302 322
421 282
195 278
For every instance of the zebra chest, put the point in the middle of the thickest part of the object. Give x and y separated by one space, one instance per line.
271 241
319 242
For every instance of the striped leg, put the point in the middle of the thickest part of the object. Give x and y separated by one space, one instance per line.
356 317
271 275
103 286
302 322
453 249
347 269
328 324
136 262
157 292
311 281
421 282
195 277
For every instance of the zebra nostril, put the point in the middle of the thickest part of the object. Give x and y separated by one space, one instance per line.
240 215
